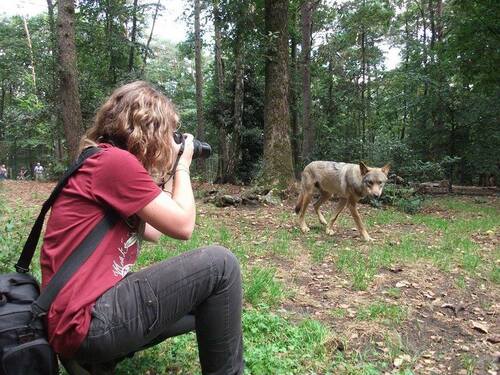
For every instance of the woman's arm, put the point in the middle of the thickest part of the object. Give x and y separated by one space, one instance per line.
174 215
151 234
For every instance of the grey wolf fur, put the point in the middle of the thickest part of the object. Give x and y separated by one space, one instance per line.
349 182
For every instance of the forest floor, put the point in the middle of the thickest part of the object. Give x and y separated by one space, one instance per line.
423 298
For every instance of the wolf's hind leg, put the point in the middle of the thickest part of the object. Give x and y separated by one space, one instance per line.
306 199
322 199
338 209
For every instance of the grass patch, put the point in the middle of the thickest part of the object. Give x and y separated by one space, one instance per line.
385 216
261 287
475 206
469 363
494 274
274 345
363 267
177 355
319 249
371 360
358 266
338 312
380 311
394 292
460 282
279 243
15 225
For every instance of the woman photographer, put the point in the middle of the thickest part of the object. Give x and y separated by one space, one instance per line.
105 313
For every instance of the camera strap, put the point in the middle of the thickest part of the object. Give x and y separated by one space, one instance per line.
172 171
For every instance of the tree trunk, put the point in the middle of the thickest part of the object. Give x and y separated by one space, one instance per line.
111 48
405 89
278 169
146 50
223 157
68 92
2 108
294 118
132 38
28 38
54 95
363 87
239 70
200 127
306 12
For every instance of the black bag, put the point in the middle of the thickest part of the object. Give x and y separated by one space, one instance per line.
24 349
23 343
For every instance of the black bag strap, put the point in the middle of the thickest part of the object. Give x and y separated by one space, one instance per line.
73 262
24 261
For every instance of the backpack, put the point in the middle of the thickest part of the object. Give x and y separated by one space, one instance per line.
24 348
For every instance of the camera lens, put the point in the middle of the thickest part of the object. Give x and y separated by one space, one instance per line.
201 149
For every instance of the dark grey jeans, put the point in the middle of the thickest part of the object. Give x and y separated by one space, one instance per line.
198 290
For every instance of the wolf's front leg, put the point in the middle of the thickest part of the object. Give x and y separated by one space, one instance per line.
359 223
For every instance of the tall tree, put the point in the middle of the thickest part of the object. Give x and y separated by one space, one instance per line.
58 132
306 12
30 45
70 101
239 70
146 49
293 90
133 37
200 128
278 168
223 156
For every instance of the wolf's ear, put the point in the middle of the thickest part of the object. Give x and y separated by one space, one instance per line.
386 169
363 168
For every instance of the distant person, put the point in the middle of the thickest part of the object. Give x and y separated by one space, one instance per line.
38 172
3 172
22 174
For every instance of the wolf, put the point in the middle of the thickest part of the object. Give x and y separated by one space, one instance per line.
350 182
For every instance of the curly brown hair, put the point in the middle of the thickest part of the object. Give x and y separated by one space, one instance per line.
140 119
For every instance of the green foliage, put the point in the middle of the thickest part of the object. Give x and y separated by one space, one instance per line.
433 116
14 229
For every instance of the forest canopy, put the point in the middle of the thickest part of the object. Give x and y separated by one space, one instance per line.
321 63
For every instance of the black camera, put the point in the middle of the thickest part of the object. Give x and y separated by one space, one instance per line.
201 149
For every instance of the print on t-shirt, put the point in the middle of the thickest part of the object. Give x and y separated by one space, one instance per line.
126 259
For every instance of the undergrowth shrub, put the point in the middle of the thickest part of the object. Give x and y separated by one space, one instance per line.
404 198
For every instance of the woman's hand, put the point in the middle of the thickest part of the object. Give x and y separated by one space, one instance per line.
187 155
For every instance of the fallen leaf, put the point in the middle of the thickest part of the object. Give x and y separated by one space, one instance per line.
455 308
402 283
401 359
481 327
396 269
428 294
494 339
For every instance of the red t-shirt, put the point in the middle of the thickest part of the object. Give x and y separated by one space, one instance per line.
113 178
